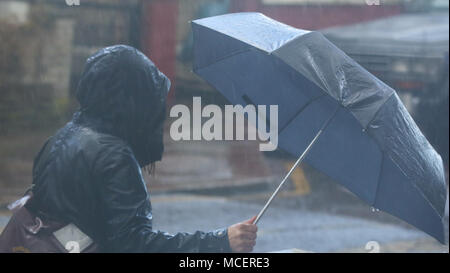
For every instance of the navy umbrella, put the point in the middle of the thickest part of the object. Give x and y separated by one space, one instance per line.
332 112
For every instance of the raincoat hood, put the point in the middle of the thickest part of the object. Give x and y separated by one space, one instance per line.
122 93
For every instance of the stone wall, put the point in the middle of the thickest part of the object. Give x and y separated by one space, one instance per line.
45 44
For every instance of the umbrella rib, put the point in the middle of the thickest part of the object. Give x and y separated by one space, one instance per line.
238 52
299 160
300 111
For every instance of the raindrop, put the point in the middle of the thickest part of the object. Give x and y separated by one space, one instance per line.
374 209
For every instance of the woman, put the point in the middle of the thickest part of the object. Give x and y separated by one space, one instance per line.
89 172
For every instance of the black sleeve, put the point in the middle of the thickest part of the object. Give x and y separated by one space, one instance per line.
125 210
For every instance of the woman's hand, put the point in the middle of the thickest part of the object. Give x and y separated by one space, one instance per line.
242 236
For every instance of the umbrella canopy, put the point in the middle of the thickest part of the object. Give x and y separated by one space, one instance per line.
371 145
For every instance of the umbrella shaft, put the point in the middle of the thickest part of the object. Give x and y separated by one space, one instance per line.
299 160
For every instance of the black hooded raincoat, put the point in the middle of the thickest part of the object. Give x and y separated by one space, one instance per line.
89 172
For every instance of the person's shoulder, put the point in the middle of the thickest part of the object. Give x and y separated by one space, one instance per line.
102 144
109 155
